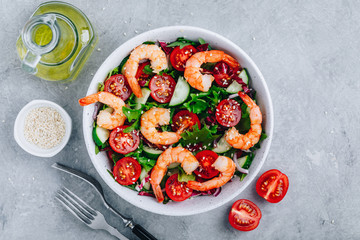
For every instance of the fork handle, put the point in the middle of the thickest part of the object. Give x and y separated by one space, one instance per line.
141 233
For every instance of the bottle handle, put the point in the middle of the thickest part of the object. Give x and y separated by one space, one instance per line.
30 62
34 52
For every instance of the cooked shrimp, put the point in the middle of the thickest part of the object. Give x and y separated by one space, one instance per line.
246 141
225 166
152 119
106 119
192 72
171 155
157 59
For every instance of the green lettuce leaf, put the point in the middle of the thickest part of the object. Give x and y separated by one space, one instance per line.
203 135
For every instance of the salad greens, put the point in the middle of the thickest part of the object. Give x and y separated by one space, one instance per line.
203 104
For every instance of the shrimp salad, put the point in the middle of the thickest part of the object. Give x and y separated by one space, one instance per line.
177 120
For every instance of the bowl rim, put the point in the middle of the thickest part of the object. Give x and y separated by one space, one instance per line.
32 148
269 117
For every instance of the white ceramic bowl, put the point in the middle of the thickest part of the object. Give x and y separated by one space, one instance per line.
230 190
30 147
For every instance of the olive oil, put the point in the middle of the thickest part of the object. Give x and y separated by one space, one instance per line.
56 42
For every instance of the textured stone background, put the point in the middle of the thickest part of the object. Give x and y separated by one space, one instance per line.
308 52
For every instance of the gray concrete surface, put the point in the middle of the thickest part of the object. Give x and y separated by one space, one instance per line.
308 52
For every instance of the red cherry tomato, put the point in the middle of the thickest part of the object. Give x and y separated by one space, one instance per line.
118 85
142 77
244 215
122 142
206 158
228 113
162 88
184 120
223 74
272 185
127 171
178 57
177 191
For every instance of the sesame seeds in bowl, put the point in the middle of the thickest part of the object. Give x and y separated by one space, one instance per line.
42 128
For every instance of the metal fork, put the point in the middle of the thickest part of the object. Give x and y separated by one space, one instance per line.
137 229
86 214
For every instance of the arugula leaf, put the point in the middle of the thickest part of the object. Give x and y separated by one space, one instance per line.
132 100
244 125
101 87
111 174
149 42
165 128
196 104
132 186
116 157
97 150
200 101
257 145
113 72
201 41
203 135
146 163
147 70
131 114
208 66
150 105
134 126
182 42
173 73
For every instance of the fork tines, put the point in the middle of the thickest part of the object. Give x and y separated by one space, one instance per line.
75 205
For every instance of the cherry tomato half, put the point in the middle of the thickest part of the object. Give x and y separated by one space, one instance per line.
177 191
127 171
223 74
228 113
244 215
162 88
184 120
118 85
142 77
178 57
206 158
122 142
272 185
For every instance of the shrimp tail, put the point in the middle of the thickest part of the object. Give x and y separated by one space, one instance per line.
158 192
93 98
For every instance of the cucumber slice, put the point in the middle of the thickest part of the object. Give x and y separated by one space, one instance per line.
235 87
152 153
173 165
222 146
100 135
143 175
244 162
181 92
146 93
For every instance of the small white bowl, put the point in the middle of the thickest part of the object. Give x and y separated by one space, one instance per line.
30 147
230 190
